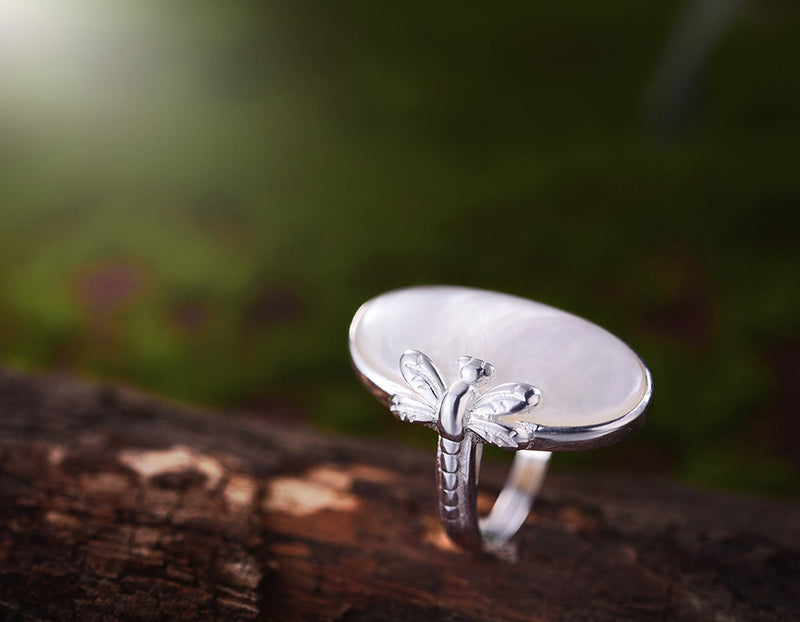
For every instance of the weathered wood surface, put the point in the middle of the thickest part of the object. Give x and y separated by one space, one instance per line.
115 506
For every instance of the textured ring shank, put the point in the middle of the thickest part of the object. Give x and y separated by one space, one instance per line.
457 467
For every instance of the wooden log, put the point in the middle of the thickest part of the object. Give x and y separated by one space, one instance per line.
116 506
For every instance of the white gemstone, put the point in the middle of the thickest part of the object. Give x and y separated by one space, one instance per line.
586 375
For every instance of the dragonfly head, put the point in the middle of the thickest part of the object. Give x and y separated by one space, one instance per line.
474 371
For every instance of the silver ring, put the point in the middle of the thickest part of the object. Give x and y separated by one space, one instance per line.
482 367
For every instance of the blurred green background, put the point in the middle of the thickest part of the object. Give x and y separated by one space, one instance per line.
196 196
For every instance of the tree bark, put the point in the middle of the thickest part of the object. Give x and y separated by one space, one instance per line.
117 506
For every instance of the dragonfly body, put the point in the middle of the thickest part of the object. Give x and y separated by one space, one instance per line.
451 457
453 410
462 415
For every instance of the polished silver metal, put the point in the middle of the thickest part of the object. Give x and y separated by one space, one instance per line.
569 386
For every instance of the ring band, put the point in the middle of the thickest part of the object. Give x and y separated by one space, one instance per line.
569 385
513 504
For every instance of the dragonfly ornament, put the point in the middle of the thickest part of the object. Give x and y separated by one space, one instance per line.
455 409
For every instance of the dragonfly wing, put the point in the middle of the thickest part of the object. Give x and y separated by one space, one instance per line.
411 409
506 399
421 375
495 433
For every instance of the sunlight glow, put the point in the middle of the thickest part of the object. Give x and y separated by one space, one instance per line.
31 31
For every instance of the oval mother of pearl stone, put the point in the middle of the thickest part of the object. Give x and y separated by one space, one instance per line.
586 375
